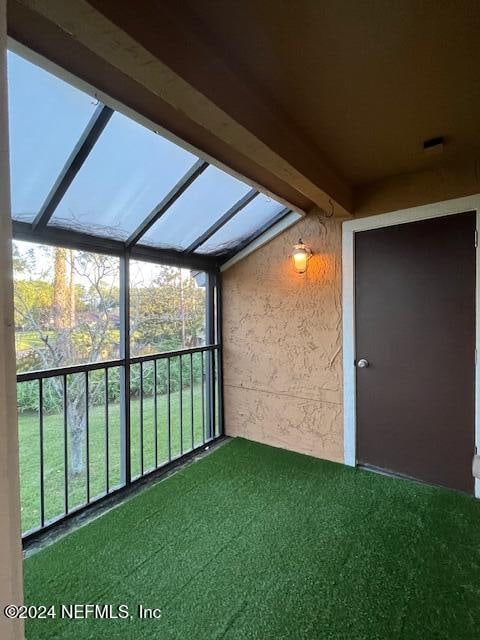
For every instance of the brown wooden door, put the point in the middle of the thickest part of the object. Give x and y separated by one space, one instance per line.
415 325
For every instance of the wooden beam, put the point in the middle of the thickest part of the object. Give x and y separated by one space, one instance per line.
11 590
144 53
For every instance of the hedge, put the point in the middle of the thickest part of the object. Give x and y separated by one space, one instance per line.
28 392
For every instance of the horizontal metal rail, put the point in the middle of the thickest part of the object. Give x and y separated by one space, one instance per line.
108 364
173 354
66 371
188 384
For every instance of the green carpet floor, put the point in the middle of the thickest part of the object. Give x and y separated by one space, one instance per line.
257 542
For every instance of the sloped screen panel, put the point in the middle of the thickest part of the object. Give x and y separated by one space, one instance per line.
242 226
128 172
204 202
112 179
47 116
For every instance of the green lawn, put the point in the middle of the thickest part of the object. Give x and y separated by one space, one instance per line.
257 543
29 345
29 339
54 451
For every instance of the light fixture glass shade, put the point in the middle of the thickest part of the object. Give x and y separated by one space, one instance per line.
300 256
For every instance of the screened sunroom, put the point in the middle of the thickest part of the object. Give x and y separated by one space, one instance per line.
119 234
239 320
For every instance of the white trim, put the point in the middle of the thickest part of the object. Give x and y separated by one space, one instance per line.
349 392
290 219
349 228
53 68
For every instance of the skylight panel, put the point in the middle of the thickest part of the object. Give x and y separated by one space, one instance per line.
242 226
128 172
204 202
47 116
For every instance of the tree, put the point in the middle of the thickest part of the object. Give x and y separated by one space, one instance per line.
69 302
66 337
167 310
37 296
61 291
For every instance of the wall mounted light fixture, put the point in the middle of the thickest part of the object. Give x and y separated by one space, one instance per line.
300 256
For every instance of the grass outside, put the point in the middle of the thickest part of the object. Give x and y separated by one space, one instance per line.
54 451
253 542
31 341
25 340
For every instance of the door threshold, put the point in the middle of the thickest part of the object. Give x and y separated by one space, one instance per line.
387 472
403 476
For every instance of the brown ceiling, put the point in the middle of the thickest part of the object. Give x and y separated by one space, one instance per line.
342 93
364 81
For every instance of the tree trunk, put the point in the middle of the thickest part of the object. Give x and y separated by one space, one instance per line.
182 309
60 289
72 308
77 429
64 320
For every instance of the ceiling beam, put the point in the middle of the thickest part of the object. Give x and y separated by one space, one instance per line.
92 132
71 239
46 44
174 258
148 42
237 207
181 186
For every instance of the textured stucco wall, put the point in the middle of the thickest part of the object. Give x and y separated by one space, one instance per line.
282 342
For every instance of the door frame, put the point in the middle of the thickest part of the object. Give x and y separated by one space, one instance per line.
349 228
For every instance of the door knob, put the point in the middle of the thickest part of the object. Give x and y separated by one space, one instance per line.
362 363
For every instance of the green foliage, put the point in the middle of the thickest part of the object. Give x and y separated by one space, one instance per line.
167 312
27 396
33 302
68 313
162 375
28 392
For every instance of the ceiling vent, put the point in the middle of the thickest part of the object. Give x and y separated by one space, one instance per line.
434 145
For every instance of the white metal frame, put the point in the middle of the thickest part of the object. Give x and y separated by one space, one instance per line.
350 227
290 219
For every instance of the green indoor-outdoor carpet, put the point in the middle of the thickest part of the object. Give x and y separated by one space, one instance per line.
257 542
